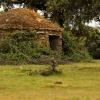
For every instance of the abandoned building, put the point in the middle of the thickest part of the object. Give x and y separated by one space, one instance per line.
48 33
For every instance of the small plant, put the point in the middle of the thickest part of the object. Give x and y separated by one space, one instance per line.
52 69
53 65
30 72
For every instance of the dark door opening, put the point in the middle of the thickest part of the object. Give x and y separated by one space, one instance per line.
53 40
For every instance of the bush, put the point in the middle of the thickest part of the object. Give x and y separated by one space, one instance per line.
20 46
93 43
74 47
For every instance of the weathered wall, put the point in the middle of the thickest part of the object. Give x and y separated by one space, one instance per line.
43 39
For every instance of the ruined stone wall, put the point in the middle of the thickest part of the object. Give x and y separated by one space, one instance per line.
43 39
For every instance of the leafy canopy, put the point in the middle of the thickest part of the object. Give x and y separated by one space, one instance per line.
71 14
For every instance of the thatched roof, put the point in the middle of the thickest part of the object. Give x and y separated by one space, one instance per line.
23 18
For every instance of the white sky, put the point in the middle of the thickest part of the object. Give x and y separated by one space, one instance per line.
1 8
92 23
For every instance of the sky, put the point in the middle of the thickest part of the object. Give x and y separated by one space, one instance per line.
91 24
1 8
94 24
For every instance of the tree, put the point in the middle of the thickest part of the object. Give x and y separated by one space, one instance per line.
74 13
71 14
36 4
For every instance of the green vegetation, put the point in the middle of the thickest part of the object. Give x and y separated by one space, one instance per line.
20 47
75 81
78 81
82 47
93 42
74 47
80 42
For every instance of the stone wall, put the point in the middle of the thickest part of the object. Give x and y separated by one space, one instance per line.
43 39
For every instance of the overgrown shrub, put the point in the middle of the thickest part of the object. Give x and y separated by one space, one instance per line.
93 43
74 48
20 46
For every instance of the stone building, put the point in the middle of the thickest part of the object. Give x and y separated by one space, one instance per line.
48 33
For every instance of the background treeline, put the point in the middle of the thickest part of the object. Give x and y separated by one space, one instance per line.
82 47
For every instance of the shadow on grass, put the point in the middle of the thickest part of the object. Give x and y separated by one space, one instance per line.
50 72
42 72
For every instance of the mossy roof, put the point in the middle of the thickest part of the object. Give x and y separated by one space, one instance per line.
23 18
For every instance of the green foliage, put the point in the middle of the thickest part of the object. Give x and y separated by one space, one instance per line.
74 12
93 43
36 4
74 48
20 46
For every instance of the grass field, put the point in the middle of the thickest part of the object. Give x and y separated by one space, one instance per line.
78 81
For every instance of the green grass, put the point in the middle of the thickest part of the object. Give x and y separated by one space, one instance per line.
79 81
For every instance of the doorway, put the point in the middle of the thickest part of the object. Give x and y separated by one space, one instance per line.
54 42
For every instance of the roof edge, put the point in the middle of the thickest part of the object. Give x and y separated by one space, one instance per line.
31 28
